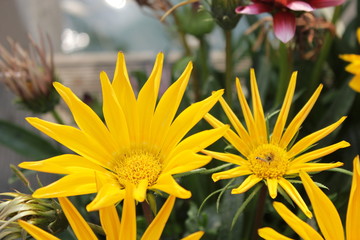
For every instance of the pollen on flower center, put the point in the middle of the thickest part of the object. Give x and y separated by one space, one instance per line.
137 164
268 161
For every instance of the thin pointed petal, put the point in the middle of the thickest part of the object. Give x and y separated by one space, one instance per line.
114 115
36 232
227 157
319 153
81 229
272 186
128 218
353 211
194 236
299 6
313 167
295 196
107 195
147 98
168 106
110 222
232 173
166 183
73 139
295 124
284 112
325 212
307 141
140 190
270 234
87 120
249 182
261 130
70 185
304 230
284 26
355 83
156 227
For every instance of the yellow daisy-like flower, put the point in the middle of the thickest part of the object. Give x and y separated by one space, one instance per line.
326 214
354 66
112 226
141 143
270 157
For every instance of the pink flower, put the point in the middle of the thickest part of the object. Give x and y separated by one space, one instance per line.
283 13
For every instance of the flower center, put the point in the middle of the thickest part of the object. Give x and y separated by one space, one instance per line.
137 164
269 161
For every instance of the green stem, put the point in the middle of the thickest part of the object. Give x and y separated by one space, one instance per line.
228 67
259 215
319 64
284 75
57 117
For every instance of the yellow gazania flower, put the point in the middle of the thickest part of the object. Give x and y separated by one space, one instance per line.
326 214
270 157
354 66
140 144
112 226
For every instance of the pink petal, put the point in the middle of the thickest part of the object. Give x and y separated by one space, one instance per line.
325 3
284 26
299 6
255 8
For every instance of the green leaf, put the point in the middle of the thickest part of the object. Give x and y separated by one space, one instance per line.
25 142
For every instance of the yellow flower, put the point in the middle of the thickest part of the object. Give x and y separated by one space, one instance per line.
140 145
112 226
354 66
326 214
271 157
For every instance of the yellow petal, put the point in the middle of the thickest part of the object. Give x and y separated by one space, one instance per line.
272 186
284 111
166 183
87 120
295 196
353 67
70 185
168 106
63 164
199 141
227 157
232 173
110 222
355 83
353 211
147 99
310 139
261 130
36 232
270 234
319 153
312 167
295 124
235 122
187 119
238 143
358 35
114 114
249 182
107 195
304 230
350 57
76 221
250 123
128 218
157 225
194 236
140 190
325 212
75 140
184 162
126 97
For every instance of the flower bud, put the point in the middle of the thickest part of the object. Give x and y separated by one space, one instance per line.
224 13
